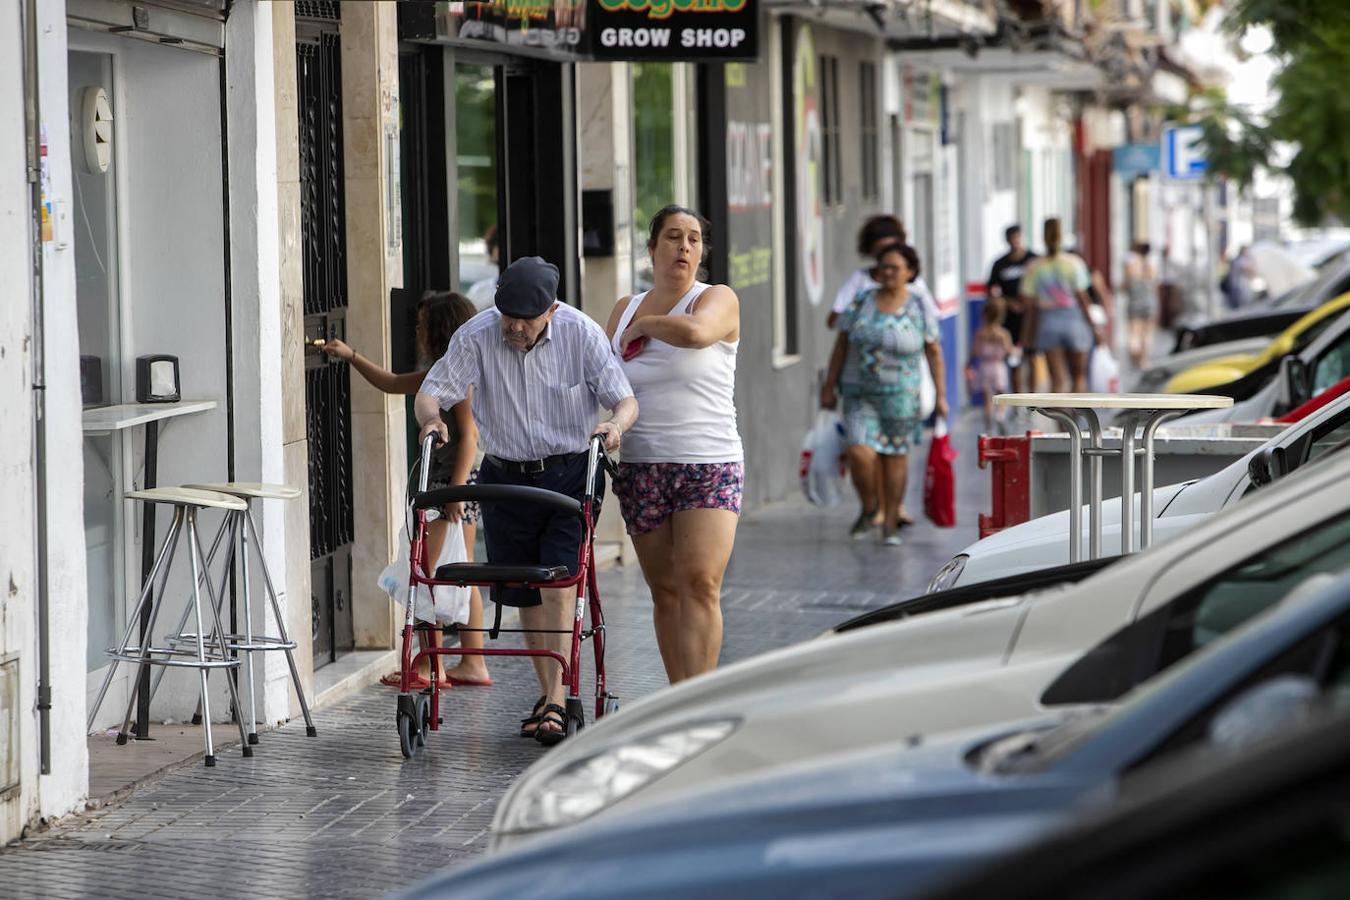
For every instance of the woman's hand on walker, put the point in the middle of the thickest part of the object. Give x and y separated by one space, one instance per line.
338 350
436 427
829 399
454 512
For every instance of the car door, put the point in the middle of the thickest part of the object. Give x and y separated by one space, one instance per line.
1197 617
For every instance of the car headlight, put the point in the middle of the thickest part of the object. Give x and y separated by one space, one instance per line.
585 787
948 574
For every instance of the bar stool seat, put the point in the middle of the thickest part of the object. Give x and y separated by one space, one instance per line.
204 653
188 495
251 489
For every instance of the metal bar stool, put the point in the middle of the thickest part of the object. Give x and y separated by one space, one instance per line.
241 531
186 502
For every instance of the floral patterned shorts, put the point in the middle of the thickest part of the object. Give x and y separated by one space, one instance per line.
650 493
471 511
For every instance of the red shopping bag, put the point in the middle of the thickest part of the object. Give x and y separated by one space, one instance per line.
939 481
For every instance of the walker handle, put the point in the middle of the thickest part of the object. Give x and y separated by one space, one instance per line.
424 466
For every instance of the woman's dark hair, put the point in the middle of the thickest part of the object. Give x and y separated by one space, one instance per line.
659 222
439 315
878 228
1141 247
907 253
1054 236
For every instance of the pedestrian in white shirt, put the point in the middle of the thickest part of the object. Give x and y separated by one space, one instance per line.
682 475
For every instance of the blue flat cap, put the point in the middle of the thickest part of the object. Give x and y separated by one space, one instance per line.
527 288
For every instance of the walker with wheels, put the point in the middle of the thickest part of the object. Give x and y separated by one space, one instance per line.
419 712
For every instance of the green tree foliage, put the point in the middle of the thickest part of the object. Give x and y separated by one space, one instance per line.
1311 41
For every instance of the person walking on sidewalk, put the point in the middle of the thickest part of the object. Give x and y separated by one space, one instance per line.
877 233
875 367
1141 303
537 371
1005 281
1059 320
990 348
439 315
680 482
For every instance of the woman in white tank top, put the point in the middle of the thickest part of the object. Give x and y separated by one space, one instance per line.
682 475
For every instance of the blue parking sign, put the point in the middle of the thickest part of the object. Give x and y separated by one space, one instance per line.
1183 158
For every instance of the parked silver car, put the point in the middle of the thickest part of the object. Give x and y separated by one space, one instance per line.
971 666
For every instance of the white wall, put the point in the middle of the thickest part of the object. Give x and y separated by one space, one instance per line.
67 785
18 648
255 281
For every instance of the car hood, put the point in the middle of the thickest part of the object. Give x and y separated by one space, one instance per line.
1212 373
810 700
884 822
1011 542
1155 376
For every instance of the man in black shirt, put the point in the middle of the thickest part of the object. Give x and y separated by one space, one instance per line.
1005 281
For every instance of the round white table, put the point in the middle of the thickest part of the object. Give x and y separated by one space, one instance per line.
1141 411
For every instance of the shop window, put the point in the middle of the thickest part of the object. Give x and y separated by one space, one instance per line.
653 157
867 93
476 171
832 192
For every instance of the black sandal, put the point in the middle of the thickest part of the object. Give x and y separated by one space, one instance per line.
533 718
553 714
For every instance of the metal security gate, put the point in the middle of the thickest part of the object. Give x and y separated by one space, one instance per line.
327 383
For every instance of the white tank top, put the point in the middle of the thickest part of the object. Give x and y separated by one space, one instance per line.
686 404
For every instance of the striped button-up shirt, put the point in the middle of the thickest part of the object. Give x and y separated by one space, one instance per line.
530 405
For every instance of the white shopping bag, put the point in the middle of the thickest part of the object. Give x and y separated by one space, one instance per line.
1103 372
822 467
927 389
451 604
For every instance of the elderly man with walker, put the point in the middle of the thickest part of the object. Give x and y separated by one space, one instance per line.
537 371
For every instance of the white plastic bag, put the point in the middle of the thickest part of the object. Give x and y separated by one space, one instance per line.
927 389
451 604
822 466
1103 372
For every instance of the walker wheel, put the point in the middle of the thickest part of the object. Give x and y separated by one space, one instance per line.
576 716
611 704
423 719
408 735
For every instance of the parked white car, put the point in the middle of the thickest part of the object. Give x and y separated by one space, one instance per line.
1044 542
982 664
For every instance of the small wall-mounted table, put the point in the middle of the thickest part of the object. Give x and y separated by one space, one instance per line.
1141 411
110 419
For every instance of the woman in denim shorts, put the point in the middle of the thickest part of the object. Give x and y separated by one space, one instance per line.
439 315
1058 321
680 482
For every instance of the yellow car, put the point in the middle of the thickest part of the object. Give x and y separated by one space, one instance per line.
1215 372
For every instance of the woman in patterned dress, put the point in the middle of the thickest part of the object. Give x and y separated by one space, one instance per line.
875 368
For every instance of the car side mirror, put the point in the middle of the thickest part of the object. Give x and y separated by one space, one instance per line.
1293 381
1263 710
1267 465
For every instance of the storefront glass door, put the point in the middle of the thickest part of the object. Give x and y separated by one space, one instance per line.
99 322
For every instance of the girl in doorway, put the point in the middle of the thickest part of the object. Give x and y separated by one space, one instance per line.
989 352
439 315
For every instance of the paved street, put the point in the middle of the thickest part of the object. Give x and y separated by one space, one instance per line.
344 815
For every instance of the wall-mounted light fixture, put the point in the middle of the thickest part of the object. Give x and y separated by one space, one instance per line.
97 124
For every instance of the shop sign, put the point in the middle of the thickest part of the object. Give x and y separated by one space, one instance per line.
806 134
923 98
601 30
1136 159
687 30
